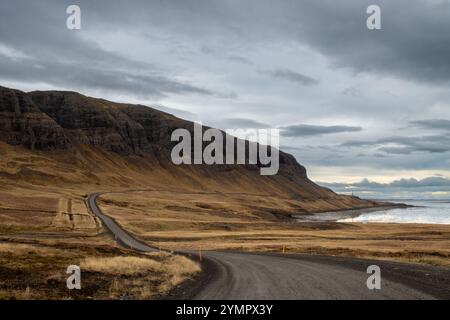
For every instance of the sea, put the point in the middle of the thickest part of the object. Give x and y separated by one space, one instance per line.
423 211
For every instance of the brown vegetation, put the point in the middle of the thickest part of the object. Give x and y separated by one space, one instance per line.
38 271
57 147
35 253
252 223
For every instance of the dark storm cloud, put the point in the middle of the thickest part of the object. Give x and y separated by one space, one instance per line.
38 29
292 76
440 124
413 43
93 77
57 56
302 130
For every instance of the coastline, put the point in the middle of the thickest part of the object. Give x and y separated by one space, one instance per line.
335 215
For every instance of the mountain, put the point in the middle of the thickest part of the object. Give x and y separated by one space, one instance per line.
64 138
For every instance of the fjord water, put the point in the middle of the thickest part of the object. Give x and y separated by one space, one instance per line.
424 211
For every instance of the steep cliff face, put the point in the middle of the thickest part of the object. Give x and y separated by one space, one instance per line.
124 129
93 122
23 123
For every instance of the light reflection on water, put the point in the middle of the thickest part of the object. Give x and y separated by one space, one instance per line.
426 211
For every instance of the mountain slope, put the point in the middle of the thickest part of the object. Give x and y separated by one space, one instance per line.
59 138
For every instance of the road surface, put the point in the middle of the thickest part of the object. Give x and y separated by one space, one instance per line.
237 275
118 232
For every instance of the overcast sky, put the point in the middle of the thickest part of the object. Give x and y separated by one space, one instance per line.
350 103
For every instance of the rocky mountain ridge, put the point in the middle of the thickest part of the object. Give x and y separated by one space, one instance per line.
49 120
59 139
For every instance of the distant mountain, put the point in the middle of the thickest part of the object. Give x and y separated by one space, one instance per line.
59 138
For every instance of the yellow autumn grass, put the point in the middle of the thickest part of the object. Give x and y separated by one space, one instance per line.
228 222
20 249
135 277
121 265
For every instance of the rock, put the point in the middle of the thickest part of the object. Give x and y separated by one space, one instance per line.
49 120
23 123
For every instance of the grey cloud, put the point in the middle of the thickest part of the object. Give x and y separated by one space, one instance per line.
92 77
196 48
38 30
352 92
402 183
406 145
302 130
229 95
61 57
290 148
427 182
239 59
292 76
236 123
207 50
396 150
177 112
365 183
430 187
413 43
403 47
440 124
375 160
379 155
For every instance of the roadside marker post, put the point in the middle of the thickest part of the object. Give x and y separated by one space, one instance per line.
284 248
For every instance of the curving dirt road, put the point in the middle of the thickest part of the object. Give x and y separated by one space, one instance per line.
237 275
118 232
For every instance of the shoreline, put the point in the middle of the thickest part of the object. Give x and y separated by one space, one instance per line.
335 215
